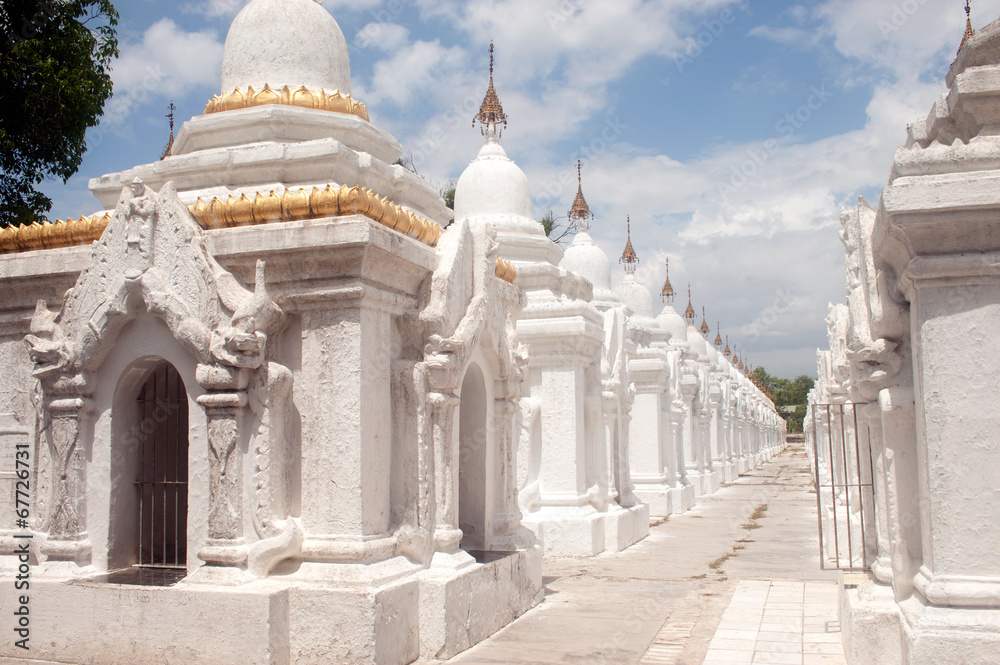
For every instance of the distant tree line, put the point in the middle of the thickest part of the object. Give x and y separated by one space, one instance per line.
788 392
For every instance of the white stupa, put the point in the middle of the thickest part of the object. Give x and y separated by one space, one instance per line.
494 190
584 257
286 42
631 291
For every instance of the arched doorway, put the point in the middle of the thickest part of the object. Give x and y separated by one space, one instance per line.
472 470
162 469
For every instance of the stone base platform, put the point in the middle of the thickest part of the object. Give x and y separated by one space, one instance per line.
870 625
659 497
587 532
948 635
710 481
464 600
683 499
280 620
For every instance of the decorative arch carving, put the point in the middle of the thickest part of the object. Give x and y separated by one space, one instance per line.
152 257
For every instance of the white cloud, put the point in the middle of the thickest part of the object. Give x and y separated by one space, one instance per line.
230 8
385 36
899 37
420 69
168 62
214 8
784 35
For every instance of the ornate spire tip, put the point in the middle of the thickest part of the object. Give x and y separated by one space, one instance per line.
491 114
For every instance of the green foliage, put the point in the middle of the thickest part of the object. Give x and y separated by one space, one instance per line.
548 223
448 194
55 77
785 392
554 227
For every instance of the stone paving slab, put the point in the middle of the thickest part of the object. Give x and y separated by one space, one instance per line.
779 621
660 601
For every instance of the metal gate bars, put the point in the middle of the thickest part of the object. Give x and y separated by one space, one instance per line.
163 470
845 501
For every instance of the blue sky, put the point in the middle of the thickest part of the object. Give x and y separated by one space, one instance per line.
733 132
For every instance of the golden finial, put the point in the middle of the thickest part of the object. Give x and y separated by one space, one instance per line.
704 323
689 313
491 114
727 353
580 213
968 26
668 291
629 257
718 335
170 144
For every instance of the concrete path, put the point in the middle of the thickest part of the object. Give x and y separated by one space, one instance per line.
735 580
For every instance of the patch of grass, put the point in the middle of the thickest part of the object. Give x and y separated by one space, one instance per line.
658 522
697 517
699 577
757 514
715 565
741 544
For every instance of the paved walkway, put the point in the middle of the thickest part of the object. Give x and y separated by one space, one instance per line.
735 580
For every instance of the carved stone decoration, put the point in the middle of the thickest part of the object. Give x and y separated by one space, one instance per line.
69 503
270 400
226 482
151 257
65 520
458 320
877 325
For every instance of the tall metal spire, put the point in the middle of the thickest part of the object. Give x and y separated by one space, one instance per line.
968 26
727 353
689 313
491 114
170 143
704 323
580 214
668 291
718 335
629 258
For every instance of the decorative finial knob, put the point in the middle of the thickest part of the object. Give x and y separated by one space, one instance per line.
580 213
668 291
491 114
629 257
968 26
689 312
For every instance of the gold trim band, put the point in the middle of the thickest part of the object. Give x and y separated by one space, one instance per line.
52 235
300 204
308 99
233 212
